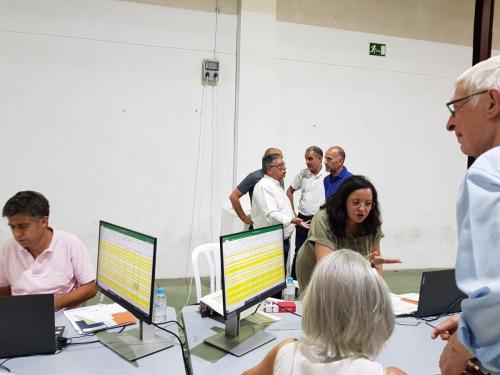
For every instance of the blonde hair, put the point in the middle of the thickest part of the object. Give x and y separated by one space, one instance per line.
347 310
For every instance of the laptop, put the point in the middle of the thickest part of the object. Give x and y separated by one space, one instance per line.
27 325
439 294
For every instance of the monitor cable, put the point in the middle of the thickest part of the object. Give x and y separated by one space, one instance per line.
183 348
214 154
287 309
446 312
195 193
426 320
64 343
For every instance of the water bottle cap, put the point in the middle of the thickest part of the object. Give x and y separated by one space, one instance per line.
160 291
289 279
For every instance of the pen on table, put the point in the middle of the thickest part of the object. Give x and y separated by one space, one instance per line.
433 326
409 300
438 331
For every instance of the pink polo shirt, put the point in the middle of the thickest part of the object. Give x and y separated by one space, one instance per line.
61 268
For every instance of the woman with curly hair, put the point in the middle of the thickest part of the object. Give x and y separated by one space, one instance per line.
349 219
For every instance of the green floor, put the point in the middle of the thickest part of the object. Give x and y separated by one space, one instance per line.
402 281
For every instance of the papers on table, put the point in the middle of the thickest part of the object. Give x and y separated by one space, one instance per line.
98 317
404 304
214 301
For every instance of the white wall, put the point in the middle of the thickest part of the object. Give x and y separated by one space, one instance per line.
101 106
389 115
101 112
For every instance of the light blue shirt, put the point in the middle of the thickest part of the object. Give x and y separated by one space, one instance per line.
478 259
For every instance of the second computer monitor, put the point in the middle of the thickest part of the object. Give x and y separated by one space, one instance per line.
253 267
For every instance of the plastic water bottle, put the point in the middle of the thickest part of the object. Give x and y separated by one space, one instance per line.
289 291
160 306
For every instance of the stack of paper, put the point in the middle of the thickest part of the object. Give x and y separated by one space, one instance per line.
215 302
98 317
404 304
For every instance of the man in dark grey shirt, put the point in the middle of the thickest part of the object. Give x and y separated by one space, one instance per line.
246 186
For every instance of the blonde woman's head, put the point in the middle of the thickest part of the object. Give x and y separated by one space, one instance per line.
347 308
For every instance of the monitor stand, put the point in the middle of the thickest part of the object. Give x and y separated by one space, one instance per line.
239 341
135 343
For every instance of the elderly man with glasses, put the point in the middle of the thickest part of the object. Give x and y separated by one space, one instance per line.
270 204
475 120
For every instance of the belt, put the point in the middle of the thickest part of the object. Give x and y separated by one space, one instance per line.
305 217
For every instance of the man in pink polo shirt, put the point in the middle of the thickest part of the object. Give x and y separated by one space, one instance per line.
40 259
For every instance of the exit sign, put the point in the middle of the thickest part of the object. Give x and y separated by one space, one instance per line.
377 49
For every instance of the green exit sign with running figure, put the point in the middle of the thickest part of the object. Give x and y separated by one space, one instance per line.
377 49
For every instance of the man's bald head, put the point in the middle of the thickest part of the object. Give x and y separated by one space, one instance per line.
334 160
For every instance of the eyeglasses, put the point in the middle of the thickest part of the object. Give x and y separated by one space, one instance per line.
280 166
356 204
452 106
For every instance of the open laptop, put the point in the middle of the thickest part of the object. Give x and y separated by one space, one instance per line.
27 325
439 294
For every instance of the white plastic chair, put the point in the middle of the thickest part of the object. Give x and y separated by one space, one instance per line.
212 252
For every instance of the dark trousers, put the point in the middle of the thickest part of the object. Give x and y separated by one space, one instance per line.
300 238
286 248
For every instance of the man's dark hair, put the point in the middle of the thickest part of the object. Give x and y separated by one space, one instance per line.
317 151
267 161
28 203
336 207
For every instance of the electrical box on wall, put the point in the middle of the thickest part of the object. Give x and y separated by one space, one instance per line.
210 72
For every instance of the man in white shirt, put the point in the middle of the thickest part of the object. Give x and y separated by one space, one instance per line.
247 186
312 194
270 204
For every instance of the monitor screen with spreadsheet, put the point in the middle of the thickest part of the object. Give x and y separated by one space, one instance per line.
126 273
253 267
126 268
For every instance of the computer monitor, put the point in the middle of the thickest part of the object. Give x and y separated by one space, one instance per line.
126 273
253 269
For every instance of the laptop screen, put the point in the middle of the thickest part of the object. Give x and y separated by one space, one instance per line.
439 294
27 325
